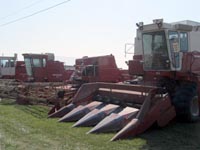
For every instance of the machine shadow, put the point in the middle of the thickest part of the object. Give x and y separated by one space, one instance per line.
175 136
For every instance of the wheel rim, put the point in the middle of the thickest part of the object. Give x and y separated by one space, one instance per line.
194 106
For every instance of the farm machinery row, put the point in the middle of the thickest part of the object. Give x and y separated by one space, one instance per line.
39 78
165 70
162 83
34 68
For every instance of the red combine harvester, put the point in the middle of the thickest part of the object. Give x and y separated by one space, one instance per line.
99 69
87 70
167 66
42 68
44 72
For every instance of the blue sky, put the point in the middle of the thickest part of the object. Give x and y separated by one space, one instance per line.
83 27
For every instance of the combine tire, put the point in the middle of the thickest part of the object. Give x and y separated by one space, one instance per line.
186 103
61 94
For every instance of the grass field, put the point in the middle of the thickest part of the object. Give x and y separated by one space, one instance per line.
27 128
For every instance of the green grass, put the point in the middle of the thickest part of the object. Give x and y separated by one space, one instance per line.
27 127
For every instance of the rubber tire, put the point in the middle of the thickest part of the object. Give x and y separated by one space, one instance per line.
61 94
183 100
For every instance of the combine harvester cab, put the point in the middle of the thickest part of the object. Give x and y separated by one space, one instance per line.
166 68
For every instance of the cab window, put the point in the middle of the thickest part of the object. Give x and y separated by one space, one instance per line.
44 62
37 62
183 41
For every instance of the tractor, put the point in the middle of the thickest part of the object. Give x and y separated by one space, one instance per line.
166 84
